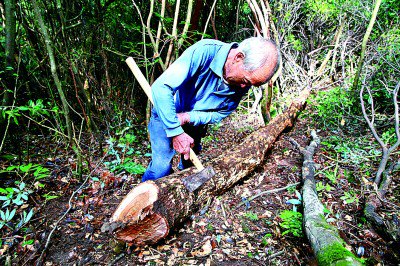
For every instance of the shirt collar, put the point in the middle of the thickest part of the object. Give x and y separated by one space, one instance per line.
217 64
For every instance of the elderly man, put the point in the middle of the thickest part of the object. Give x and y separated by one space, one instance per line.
203 86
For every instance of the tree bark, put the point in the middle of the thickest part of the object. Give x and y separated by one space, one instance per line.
364 43
53 68
10 49
387 228
151 209
325 241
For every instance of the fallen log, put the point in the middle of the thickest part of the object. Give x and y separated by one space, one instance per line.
152 208
388 229
324 238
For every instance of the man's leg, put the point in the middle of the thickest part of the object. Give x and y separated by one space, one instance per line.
162 151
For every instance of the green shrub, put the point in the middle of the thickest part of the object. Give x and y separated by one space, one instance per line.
332 106
292 222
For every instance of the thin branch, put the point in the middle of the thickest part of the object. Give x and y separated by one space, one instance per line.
67 211
396 118
174 34
268 192
208 19
187 23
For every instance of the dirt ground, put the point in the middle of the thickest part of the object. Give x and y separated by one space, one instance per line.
232 229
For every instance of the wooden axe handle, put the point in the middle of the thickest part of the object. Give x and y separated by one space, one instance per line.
147 89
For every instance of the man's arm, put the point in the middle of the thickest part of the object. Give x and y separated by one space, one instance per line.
203 117
174 78
214 116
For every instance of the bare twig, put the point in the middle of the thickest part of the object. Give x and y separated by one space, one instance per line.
120 256
67 211
268 192
386 151
208 19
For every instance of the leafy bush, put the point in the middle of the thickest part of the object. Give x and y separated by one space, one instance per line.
332 106
118 150
292 222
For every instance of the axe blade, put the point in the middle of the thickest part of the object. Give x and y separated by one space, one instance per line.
195 181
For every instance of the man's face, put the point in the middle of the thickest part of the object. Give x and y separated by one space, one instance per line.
236 75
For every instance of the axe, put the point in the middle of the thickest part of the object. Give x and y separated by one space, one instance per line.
191 182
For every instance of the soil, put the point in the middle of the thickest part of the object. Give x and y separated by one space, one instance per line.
232 229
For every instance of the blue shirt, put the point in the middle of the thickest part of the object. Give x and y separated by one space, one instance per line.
194 84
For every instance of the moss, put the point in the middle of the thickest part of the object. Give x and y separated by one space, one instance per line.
323 223
335 255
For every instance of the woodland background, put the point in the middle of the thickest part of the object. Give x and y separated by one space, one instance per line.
70 104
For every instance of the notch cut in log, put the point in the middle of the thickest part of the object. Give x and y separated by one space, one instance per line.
145 219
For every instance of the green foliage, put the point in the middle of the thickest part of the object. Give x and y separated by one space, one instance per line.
129 166
35 171
297 45
323 7
33 109
292 223
321 187
332 106
25 218
210 227
118 149
350 197
48 196
354 150
264 240
16 195
331 175
246 8
251 216
389 136
6 217
246 229
332 9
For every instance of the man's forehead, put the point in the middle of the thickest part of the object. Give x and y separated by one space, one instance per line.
260 76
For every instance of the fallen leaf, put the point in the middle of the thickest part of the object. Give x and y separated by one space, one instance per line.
348 218
205 250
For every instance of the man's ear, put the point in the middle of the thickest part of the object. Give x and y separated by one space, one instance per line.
239 56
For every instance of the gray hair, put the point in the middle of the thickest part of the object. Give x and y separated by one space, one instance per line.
257 52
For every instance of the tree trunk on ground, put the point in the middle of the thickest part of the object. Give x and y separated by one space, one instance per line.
325 241
150 210
386 227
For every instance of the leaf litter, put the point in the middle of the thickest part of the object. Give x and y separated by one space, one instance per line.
235 228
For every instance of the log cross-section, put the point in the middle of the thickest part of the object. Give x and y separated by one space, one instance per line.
152 208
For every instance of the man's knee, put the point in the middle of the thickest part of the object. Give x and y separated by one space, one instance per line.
157 170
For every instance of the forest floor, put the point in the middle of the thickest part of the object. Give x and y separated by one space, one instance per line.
232 229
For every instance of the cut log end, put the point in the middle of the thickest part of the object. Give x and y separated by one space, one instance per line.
141 225
147 231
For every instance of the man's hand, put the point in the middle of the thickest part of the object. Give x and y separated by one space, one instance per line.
182 144
184 118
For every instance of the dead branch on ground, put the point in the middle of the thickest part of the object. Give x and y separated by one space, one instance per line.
324 238
383 178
